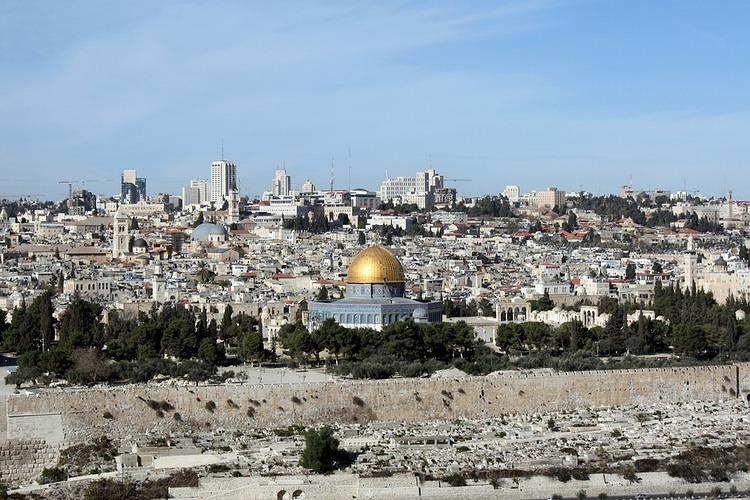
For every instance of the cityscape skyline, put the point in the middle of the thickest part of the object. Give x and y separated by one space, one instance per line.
529 92
333 250
111 188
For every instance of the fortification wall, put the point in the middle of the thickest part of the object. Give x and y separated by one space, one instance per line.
22 461
123 411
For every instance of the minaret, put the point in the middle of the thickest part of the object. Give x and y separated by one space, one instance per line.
730 202
120 235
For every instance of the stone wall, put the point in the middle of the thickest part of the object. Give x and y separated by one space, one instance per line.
120 412
22 461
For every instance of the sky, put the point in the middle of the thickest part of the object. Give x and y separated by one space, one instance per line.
579 94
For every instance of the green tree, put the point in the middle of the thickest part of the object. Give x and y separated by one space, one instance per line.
630 271
208 352
361 239
251 346
322 294
321 450
80 325
544 303
297 342
226 321
486 308
334 337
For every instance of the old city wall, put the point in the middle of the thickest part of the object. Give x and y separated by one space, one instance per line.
22 461
74 416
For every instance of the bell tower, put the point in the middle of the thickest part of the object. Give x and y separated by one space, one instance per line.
120 234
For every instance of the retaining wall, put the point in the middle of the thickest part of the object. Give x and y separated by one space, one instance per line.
120 412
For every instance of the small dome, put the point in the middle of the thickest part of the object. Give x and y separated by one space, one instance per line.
375 265
740 315
205 231
720 262
140 243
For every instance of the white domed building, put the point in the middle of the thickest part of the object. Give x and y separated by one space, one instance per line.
208 234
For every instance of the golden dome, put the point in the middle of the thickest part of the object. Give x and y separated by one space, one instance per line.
375 265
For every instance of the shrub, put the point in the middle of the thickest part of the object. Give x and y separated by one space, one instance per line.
580 474
215 468
210 406
54 475
562 474
358 401
107 488
455 480
646 465
107 415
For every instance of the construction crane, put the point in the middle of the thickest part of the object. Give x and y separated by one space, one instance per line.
70 185
70 190
457 180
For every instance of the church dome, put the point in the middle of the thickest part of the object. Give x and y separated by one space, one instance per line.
375 265
140 243
204 232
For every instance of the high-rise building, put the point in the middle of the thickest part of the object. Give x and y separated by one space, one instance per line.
132 187
195 194
513 193
223 180
282 183
418 189
551 198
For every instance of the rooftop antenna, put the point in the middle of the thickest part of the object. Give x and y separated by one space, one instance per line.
331 173
222 149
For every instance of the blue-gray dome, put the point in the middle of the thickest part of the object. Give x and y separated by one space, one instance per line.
205 231
140 243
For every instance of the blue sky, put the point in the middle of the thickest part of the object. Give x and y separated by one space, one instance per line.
578 94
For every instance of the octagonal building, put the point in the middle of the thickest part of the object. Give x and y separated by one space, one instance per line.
375 289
